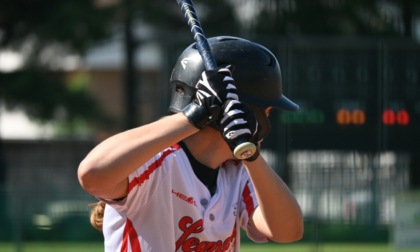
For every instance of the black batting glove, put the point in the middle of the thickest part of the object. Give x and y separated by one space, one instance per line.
238 124
213 89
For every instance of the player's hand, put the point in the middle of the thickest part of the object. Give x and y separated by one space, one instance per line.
238 125
213 90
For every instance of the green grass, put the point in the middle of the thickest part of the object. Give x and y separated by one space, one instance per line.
327 247
247 247
52 247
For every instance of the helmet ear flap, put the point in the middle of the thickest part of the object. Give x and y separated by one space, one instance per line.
182 95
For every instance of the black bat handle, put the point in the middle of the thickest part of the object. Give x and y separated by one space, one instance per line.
203 47
244 149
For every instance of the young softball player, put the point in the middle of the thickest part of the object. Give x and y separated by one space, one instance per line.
174 185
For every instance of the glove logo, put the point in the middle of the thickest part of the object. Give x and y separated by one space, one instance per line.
247 154
200 95
231 135
235 133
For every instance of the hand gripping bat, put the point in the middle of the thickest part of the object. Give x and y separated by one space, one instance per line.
244 149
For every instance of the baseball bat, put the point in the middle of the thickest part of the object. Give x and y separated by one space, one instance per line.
244 149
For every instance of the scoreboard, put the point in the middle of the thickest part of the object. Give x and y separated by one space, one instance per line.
353 94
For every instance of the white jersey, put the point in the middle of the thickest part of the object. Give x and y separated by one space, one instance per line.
169 209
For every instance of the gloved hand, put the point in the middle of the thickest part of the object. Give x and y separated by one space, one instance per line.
213 89
239 125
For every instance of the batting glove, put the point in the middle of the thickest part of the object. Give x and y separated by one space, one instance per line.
239 124
213 89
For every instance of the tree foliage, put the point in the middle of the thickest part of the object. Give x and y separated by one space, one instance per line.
43 96
76 24
327 17
216 16
43 31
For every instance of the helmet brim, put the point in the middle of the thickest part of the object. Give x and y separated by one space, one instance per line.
285 104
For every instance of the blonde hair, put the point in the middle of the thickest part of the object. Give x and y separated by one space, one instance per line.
97 214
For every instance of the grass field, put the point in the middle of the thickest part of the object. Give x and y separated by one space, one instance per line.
295 247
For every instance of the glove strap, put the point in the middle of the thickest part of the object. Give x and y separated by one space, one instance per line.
196 115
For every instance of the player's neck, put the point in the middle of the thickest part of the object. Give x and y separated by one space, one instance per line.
208 147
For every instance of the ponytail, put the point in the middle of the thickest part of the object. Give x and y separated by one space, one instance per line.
97 215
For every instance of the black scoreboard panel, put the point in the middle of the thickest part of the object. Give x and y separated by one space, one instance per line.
401 97
362 95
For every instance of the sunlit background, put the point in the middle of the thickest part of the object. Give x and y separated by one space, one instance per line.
73 73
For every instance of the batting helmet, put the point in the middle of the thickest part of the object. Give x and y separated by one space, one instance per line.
255 70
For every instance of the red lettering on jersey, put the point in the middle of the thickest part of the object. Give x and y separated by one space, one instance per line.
188 227
185 198
193 244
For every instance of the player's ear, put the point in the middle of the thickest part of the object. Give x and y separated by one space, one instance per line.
267 111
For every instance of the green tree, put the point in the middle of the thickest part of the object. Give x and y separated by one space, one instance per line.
216 16
44 31
333 17
74 24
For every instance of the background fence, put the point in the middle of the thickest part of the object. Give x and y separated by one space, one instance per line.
41 197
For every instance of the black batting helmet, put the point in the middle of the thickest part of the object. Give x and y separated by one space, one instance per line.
255 70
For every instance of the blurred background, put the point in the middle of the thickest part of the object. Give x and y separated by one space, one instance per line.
73 73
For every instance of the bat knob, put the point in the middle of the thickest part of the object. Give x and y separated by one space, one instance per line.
244 150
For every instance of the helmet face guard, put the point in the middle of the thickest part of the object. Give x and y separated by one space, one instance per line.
255 70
